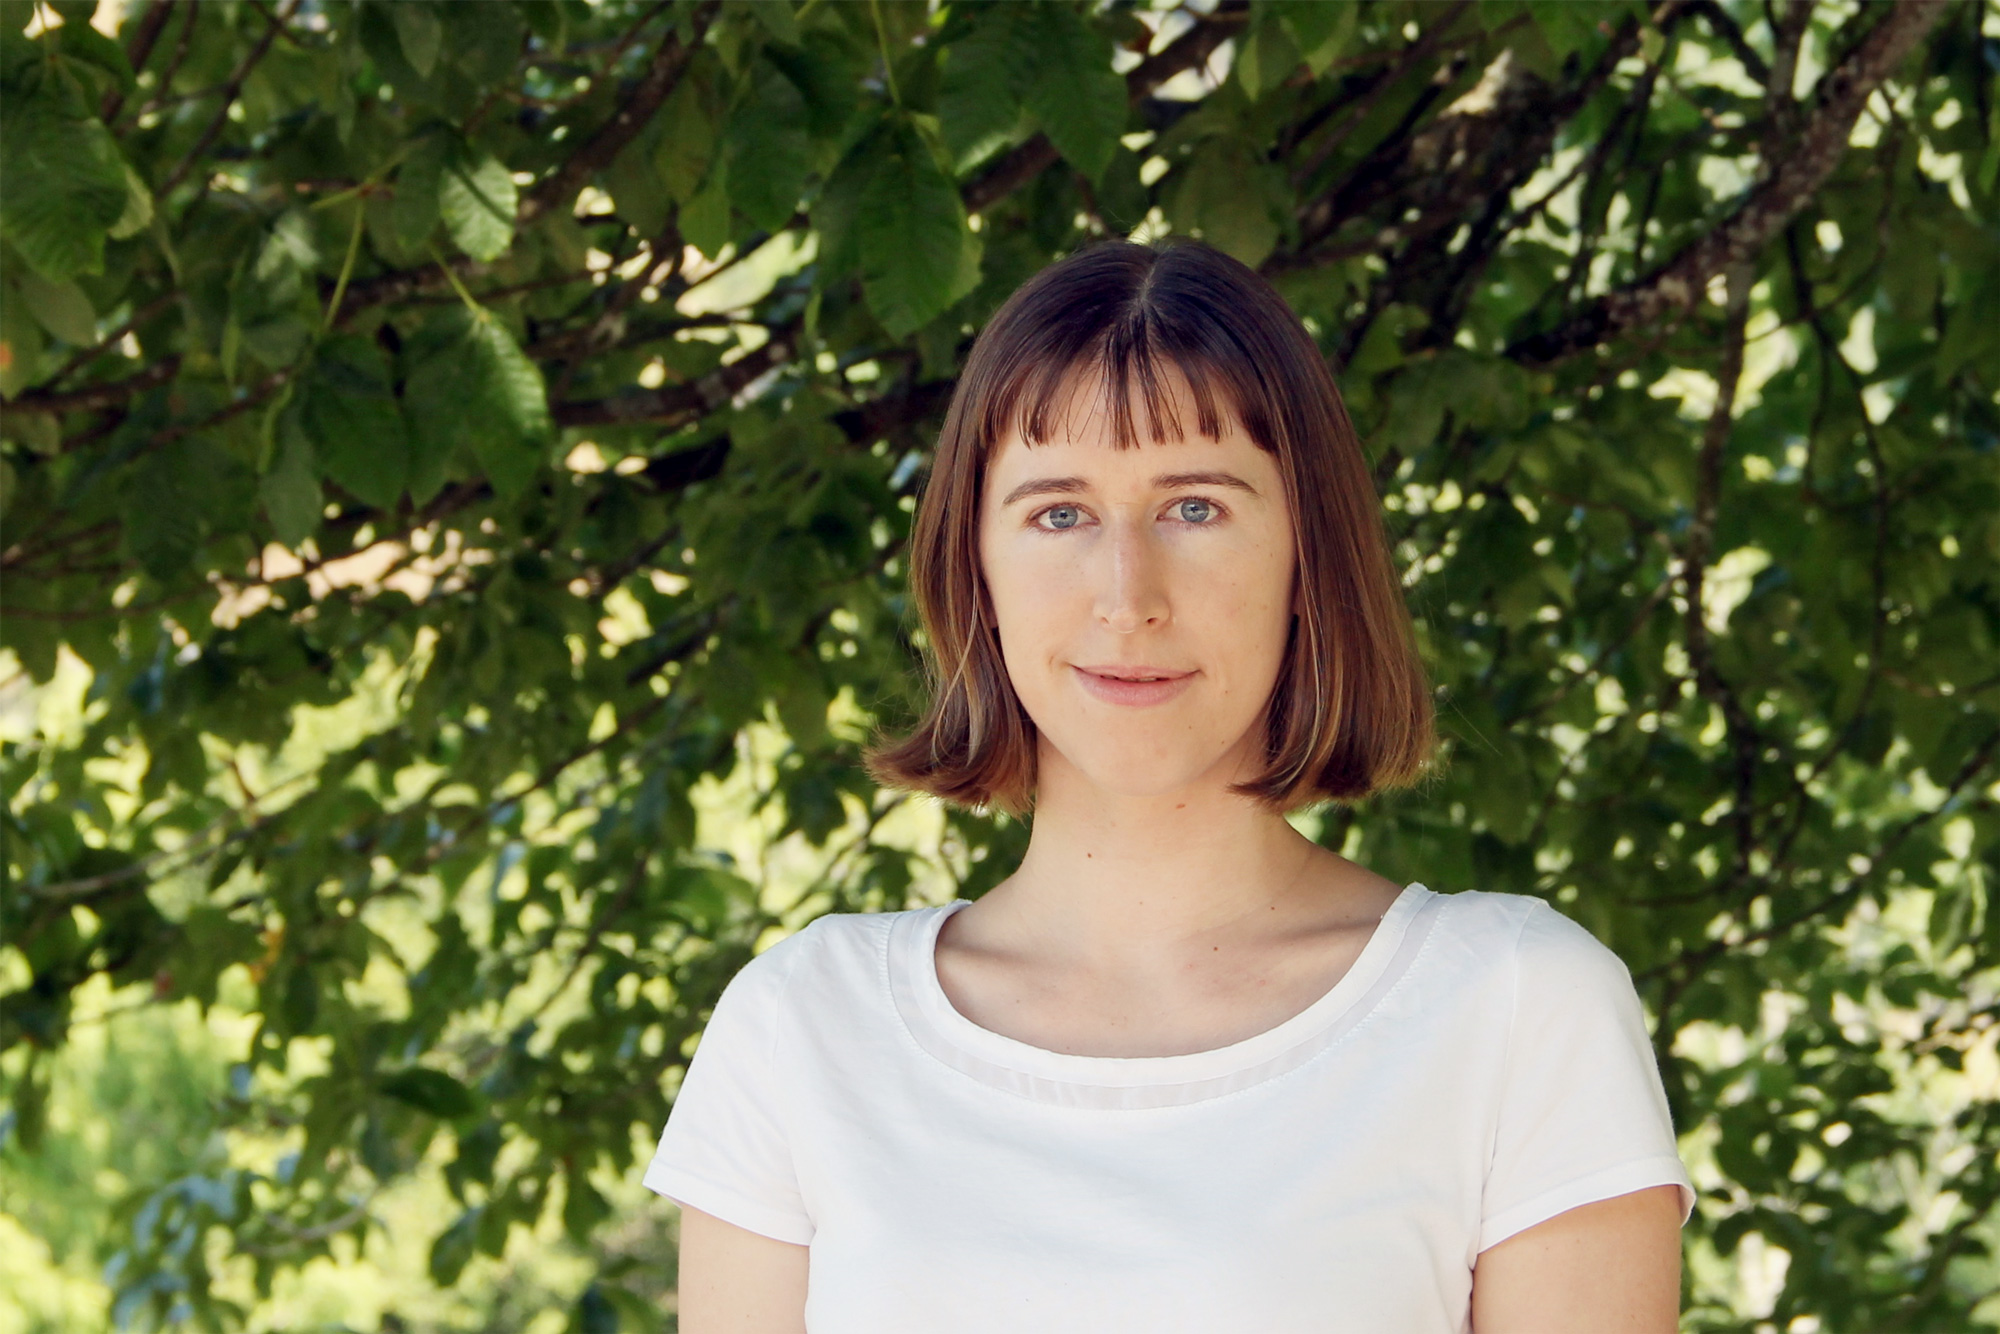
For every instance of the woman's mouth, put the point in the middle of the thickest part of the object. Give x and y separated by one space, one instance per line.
1133 686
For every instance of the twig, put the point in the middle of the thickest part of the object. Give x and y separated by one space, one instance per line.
174 62
95 396
346 266
295 1237
116 336
136 52
888 65
252 398
1731 33
230 90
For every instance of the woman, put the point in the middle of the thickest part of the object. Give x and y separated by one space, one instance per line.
1184 1069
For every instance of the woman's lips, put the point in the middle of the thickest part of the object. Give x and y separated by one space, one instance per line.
1116 685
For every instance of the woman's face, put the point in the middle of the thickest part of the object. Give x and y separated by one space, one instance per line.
1143 596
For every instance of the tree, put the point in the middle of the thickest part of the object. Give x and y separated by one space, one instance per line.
542 389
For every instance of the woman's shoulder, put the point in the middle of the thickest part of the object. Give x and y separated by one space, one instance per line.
832 951
1520 955
1528 931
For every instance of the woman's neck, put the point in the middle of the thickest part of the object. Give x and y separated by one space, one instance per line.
1116 880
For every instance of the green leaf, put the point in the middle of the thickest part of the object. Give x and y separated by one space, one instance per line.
214 942
484 40
62 308
81 42
769 150
269 302
350 414
595 1313
27 1120
21 345
1266 57
1322 31
415 212
66 181
584 1207
1229 198
89 47
777 18
828 76
290 490
39 431
453 1248
171 500
704 219
688 122
470 387
636 186
477 200
986 78
914 250
138 214
420 33
431 1091
1567 27
1074 95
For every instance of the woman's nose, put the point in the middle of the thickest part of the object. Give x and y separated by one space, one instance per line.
1132 594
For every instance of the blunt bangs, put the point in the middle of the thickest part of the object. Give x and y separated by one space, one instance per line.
1350 713
1116 335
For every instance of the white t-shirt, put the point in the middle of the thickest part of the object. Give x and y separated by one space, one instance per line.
1483 1066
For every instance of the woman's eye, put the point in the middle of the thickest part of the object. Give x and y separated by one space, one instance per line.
1194 511
1063 516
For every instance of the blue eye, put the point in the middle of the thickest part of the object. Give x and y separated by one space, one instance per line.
1194 511
1063 516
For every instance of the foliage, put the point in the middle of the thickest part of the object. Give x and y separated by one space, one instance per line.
531 398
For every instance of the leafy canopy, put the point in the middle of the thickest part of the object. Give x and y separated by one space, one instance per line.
439 439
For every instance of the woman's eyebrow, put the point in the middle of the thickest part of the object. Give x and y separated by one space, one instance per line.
1047 486
1070 486
1173 480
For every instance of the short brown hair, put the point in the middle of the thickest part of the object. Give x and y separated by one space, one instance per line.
1350 712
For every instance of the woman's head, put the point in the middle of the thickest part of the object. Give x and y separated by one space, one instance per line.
1146 470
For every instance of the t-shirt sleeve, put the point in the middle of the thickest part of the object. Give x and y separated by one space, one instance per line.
1583 1115
726 1149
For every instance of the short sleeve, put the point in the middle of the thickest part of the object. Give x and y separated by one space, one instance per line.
1582 1115
725 1149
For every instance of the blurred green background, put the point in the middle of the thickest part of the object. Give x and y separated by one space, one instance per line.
455 461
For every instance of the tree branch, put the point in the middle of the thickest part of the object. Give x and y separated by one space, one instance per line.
108 394
1696 551
678 403
1788 31
1802 166
597 152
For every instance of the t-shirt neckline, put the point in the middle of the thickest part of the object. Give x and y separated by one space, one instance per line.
1143 1081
